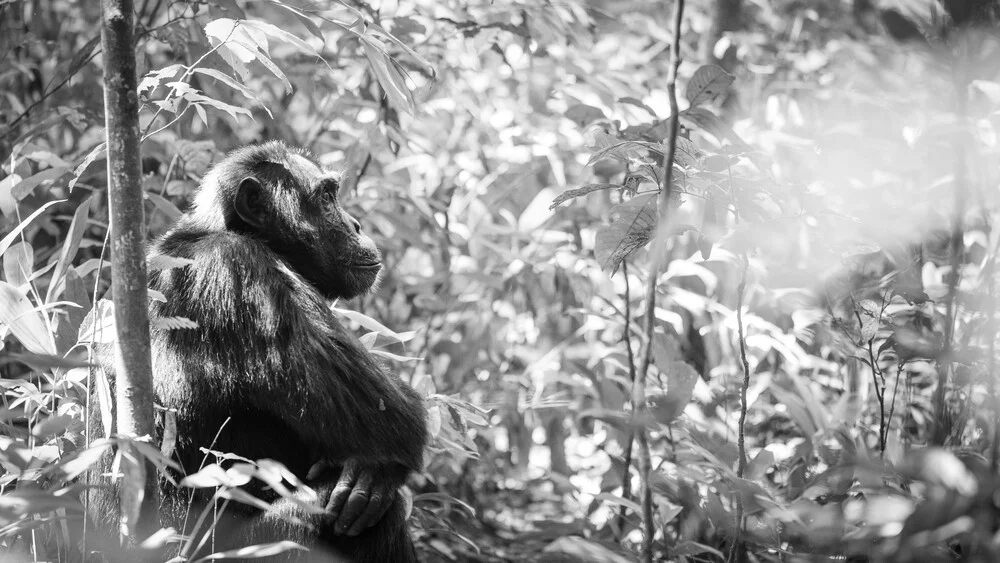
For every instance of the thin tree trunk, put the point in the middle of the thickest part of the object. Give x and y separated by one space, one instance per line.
725 17
134 387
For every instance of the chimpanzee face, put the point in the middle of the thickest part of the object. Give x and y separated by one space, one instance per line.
282 197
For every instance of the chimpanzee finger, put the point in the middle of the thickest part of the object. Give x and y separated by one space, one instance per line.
318 469
378 502
356 502
343 488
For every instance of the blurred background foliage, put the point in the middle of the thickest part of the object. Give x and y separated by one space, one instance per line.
504 156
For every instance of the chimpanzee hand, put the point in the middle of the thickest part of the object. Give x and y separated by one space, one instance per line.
360 498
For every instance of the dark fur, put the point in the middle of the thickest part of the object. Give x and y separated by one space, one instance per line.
269 355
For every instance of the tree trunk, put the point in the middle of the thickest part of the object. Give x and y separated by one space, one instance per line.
134 387
725 17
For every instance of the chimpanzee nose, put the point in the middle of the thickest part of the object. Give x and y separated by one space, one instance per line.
356 224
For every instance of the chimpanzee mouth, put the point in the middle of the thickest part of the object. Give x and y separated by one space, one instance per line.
368 265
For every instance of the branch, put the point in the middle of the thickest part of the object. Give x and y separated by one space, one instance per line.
657 251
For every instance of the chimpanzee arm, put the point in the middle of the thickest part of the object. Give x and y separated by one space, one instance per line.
294 359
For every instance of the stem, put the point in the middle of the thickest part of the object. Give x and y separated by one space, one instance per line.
737 551
657 251
741 439
626 480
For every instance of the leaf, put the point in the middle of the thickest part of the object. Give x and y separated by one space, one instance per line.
434 421
227 80
632 226
72 466
153 78
171 323
637 103
239 44
617 500
989 88
861 248
936 466
256 551
52 426
212 475
708 82
581 191
376 30
705 245
36 502
99 324
372 324
133 487
161 203
444 498
11 236
169 441
104 400
281 35
704 120
681 379
26 323
396 357
870 313
899 26
20 190
70 246
582 550
758 467
233 111
241 496
91 157
7 202
18 263
625 151
389 79
303 18
583 115
43 362
81 57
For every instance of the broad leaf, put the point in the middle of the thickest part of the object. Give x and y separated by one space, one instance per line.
583 115
708 82
681 379
632 226
26 323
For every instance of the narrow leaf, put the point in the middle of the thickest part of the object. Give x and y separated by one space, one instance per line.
11 236
70 246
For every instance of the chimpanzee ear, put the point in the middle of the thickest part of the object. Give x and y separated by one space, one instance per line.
249 203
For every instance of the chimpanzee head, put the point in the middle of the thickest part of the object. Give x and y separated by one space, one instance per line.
277 194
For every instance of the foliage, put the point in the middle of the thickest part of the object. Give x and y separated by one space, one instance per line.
833 186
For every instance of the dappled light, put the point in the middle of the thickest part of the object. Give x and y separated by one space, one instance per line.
499 281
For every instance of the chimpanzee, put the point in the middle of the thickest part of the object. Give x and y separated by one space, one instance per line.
270 372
